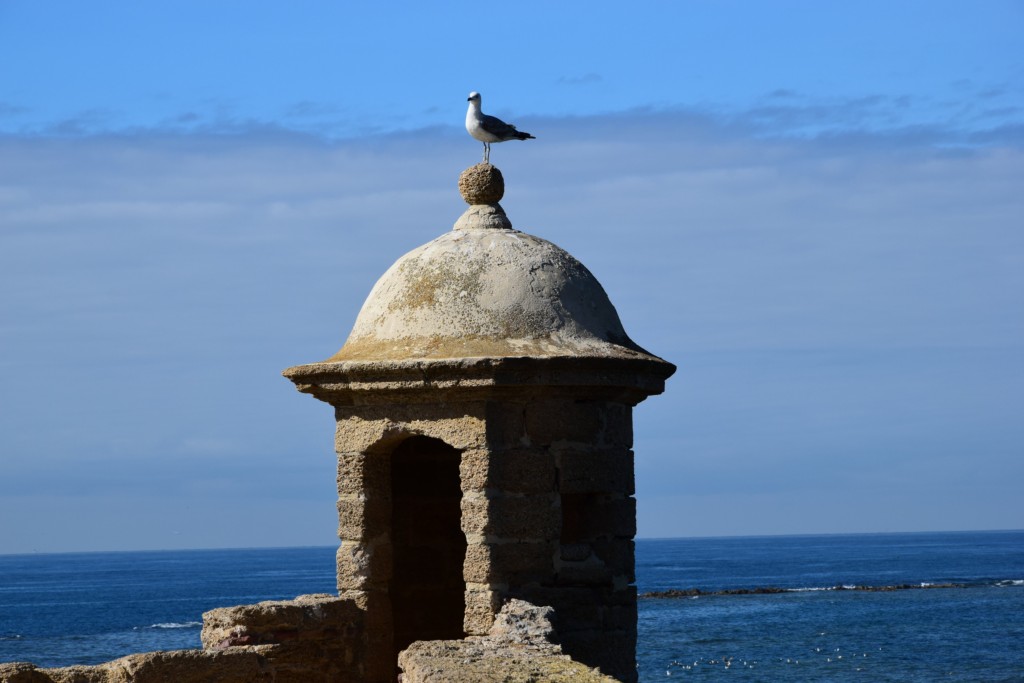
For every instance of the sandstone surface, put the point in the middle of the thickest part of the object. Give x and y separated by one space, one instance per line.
520 648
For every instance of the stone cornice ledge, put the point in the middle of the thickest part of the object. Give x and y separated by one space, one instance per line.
348 382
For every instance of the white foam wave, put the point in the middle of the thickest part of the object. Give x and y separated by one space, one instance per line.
173 624
1011 582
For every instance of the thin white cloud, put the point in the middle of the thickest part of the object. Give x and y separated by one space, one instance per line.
149 276
780 113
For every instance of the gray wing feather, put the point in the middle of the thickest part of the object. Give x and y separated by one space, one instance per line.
498 127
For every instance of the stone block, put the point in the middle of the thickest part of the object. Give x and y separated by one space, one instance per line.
276 621
482 605
520 517
378 661
617 517
490 660
474 466
589 572
355 434
477 567
364 566
595 470
512 563
575 552
379 428
621 618
550 421
619 555
523 471
363 517
617 428
590 517
185 666
516 471
462 432
362 472
623 596
506 425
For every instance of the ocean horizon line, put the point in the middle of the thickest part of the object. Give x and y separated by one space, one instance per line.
826 534
34 553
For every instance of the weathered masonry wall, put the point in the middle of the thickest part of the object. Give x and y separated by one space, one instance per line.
547 515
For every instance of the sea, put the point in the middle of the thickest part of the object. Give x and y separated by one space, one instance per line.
771 608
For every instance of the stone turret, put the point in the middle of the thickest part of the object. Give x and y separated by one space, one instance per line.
484 432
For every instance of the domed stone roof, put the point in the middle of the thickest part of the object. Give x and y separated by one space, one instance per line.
486 290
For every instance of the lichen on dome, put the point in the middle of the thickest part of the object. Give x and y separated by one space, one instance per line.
486 290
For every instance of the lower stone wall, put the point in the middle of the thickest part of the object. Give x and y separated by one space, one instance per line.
478 660
311 639
322 639
182 666
314 637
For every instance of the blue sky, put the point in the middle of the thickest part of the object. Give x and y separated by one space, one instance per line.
814 209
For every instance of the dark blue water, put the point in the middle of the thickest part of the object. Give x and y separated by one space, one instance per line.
87 608
974 633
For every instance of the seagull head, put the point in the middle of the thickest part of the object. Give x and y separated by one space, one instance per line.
473 96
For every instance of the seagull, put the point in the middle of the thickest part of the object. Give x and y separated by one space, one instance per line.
488 129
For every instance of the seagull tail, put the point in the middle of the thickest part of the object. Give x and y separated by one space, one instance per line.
520 135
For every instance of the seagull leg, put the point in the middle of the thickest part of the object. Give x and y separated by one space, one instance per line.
487 153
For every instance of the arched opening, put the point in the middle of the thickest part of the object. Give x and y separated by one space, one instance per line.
427 589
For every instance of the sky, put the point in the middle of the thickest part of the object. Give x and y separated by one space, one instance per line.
813 209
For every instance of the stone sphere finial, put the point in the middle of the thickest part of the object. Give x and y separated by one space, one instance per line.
482 184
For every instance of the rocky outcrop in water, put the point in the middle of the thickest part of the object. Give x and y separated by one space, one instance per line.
768 590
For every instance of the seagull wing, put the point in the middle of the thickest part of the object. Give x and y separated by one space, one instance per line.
501 130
